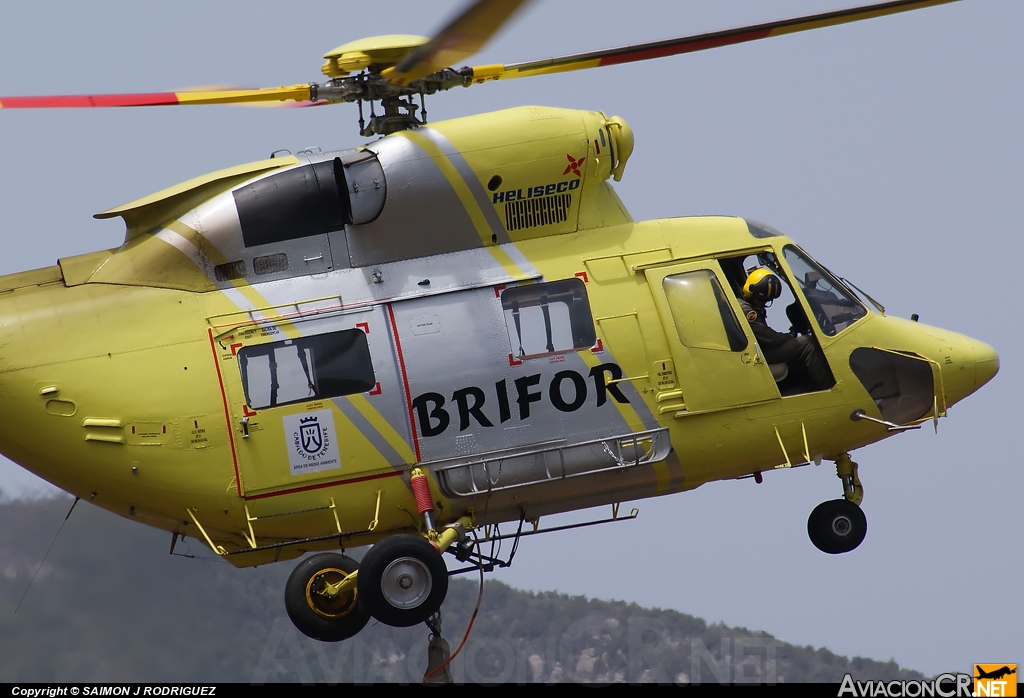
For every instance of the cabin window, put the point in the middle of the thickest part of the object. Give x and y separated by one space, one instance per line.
548 318
701 312
306 368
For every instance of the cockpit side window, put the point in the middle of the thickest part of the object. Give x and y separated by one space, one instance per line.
790 316
833 306
701 312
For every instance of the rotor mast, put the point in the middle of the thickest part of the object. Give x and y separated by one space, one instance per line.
372 58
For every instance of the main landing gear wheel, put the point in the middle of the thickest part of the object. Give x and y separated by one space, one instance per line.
402 581
316 606
837 526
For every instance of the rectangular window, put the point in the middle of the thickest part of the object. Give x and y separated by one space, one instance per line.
548 318
701 312
306 368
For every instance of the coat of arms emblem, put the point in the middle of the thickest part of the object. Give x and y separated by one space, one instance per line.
312 442
311 437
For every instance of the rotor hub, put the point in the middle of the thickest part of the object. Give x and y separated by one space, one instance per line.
375 53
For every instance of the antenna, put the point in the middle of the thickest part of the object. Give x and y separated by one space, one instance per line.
47 554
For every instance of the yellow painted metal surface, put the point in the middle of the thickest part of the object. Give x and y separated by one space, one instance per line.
146 213
375 50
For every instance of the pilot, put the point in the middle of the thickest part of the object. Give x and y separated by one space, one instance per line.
800 352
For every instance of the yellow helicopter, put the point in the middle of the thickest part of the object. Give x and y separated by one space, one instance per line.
454 325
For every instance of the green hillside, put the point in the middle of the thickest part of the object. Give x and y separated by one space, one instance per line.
111 605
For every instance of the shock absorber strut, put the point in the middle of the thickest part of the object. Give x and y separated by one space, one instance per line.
846 469
424 502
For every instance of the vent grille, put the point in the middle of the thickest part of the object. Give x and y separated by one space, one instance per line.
533 213
270 264
230 271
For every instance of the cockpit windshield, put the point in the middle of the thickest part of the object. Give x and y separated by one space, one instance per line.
834 307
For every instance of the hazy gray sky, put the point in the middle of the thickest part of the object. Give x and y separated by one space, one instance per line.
892 150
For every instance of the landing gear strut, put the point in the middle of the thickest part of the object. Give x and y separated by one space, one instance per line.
839 525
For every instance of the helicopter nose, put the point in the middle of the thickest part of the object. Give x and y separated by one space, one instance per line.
986 363
975 366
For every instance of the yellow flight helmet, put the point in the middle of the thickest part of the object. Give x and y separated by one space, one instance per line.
762 285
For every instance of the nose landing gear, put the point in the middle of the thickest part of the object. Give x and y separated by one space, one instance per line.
839 525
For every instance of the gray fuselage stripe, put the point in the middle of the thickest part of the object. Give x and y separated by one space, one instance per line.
470 178
375 438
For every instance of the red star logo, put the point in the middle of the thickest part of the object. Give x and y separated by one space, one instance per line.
574 165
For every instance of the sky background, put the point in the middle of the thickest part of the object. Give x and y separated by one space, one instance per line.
891 150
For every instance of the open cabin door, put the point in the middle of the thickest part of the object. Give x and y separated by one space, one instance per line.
717 362
314 401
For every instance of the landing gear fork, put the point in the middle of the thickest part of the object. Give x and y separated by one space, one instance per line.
846 469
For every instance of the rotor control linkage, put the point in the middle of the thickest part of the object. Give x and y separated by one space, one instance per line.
846 469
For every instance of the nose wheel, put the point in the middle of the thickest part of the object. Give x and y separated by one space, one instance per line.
402 580
839 525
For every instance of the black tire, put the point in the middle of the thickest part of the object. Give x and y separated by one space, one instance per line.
837 526
317 615
389 565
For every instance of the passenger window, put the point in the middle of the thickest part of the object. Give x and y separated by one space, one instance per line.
701 312
548 318
306 368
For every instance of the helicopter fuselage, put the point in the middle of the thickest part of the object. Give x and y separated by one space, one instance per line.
276 346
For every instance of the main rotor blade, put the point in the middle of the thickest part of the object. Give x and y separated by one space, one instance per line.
700 42
299 93
463 37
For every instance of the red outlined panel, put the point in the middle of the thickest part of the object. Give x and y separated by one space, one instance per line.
321 485
405 382
227 412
